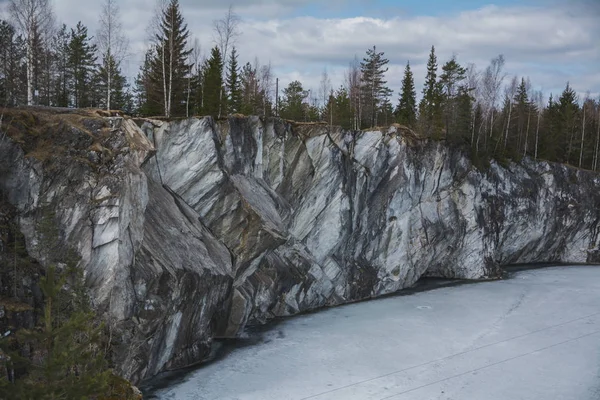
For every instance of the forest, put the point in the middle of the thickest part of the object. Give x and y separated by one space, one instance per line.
493 114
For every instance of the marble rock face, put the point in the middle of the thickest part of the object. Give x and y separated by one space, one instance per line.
194 229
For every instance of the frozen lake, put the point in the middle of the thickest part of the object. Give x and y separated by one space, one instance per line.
535 336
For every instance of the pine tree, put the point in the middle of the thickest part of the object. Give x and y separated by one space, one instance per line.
234 89
430 110
251 90
169 68
213 84
450 82
374 92
81 65
406 112
292 103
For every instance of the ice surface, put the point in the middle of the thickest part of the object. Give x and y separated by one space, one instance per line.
535 336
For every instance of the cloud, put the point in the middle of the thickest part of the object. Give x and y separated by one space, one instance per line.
551 44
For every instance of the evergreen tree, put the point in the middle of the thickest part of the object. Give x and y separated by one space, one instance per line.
450 82
234 89
374 92
253 95
430 110
62 78
12 54
144 103
81 65
568 109
406 112
213 84
169 68
292 104
110 71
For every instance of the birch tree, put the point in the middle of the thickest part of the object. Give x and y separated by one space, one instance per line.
226 31
169 68
111 43
595 163
324 88
31 17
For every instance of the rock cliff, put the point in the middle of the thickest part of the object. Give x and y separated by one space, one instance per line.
193 229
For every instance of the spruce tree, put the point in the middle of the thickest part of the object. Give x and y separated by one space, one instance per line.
213 84
450 82
374 92
111 71
145 103
234 98
430 114
81 65
292 104
406 112
169 68
568 109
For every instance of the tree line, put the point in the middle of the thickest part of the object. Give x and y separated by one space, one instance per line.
496 115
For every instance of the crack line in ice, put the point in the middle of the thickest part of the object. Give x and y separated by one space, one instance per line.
493 364
460 354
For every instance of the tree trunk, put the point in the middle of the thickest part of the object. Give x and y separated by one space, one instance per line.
537 134
597 142
507 124
30 69
164 76
582 138
527 133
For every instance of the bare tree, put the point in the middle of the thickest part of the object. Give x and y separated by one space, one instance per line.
112 44
510 91
530 96
596 155
226 31
353 79
493 79
31 17
539 99
266 84
194 61
473 78
324 87
583 111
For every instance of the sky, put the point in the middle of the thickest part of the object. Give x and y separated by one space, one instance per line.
551 42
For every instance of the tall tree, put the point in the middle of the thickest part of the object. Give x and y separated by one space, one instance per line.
324 88
430 110
353 80
62 78
112 45
568 109
82 64
169 68
292 105
373 69
213 84
31 17
234 89
406 112
113 85
227 31
12 52
451 79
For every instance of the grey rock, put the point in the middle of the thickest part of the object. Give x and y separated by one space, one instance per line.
194 229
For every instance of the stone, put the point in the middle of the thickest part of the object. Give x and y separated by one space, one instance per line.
194 229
